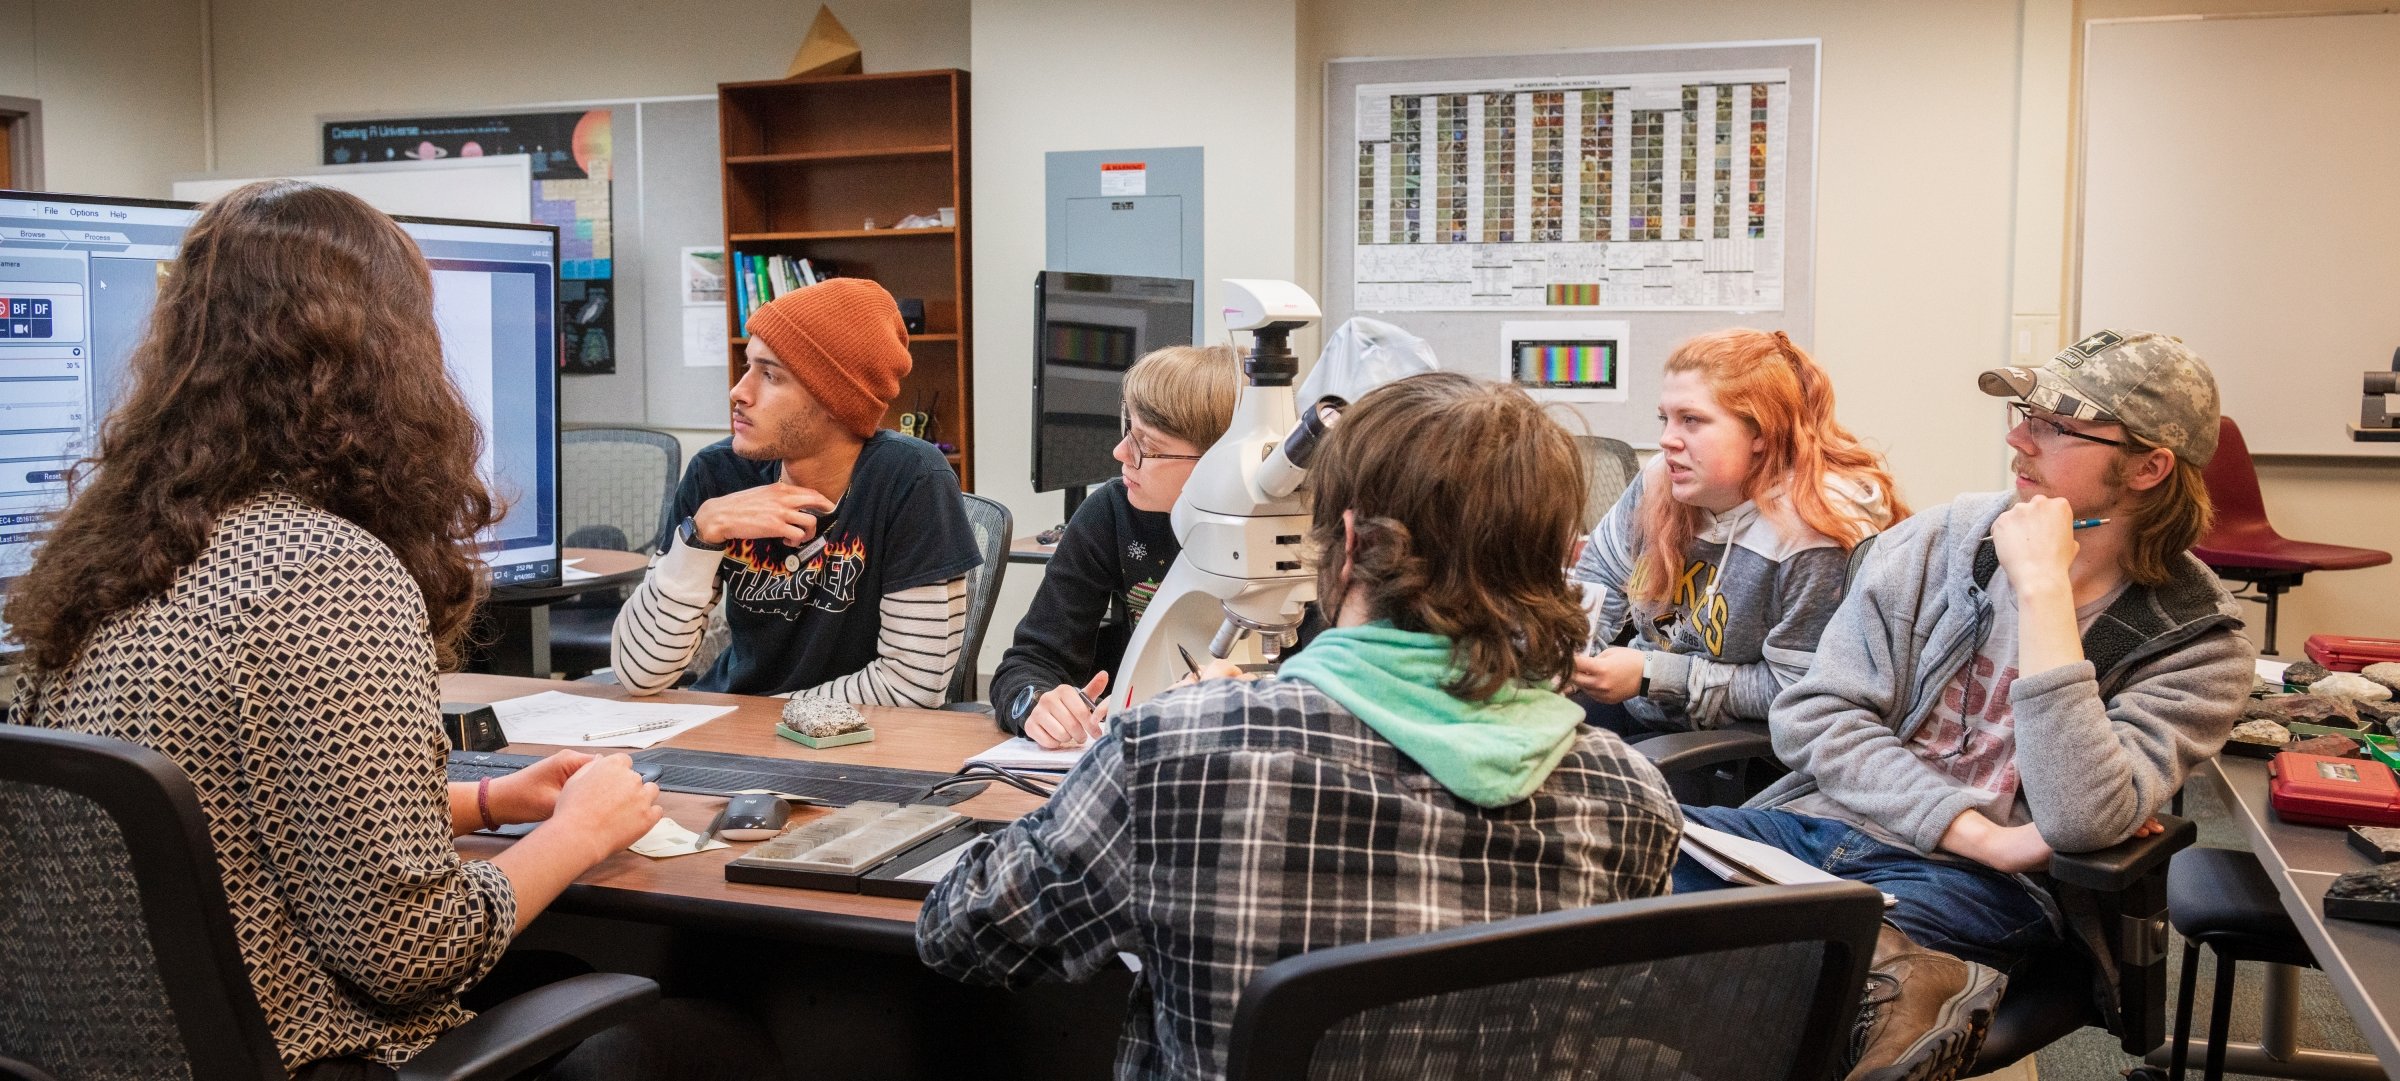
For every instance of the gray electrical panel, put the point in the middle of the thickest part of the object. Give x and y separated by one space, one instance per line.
1127 212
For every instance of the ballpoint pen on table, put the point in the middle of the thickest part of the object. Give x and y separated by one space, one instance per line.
646 726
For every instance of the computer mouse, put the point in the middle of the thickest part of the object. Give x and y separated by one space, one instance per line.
754 816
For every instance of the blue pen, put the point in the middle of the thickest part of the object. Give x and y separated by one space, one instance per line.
2080 523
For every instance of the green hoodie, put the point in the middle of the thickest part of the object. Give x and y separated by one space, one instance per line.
1490 754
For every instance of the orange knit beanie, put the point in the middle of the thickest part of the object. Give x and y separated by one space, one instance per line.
843 340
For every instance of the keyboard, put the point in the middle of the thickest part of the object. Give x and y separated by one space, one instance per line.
472 766
476 765
711 773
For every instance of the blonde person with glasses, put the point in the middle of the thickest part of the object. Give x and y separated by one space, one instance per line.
1178 401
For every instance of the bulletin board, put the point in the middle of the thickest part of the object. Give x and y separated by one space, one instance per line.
663 195
2238 193
1646 194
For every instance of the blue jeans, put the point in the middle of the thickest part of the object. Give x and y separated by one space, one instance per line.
1972 912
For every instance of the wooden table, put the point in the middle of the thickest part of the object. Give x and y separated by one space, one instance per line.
520 615
691 891
2361 959
1029 550
835 976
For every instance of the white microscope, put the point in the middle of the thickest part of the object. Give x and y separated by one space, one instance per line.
1239 587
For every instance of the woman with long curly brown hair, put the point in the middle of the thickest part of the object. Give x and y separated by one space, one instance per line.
1729 553
268 555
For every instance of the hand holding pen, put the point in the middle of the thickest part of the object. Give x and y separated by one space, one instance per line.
1067 715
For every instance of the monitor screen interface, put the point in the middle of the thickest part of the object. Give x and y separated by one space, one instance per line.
1567 364
79 276
1092 327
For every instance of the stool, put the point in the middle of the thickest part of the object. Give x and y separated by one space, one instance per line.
2223 899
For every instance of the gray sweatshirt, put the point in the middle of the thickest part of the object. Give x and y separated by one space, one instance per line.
2101 744
1755 589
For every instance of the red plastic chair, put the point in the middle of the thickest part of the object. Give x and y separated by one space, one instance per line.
2242 546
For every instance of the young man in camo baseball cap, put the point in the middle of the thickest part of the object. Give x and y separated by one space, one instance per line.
2008 680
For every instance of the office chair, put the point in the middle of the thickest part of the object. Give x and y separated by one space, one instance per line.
1734 984
2242 546
2055 992
616 488
1609 467
120 958
991 521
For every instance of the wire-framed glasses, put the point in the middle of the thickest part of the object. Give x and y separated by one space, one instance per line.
1140 453
2048 431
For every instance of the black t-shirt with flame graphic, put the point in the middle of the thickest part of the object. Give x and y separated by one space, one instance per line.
802 616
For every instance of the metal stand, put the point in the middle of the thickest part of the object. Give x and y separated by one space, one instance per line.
2278 1053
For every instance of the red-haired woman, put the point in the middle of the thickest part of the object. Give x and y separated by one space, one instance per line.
1727 556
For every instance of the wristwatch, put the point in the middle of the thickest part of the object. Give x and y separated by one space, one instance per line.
1020 705
689 534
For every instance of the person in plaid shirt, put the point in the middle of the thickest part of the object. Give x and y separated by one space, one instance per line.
1412 770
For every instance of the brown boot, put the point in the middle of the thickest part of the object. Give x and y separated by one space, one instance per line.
1924 1013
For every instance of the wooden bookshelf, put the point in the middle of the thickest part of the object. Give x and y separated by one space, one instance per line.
807 162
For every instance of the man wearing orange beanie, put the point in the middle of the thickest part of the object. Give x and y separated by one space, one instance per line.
839 548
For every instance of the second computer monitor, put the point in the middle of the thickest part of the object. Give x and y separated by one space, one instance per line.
78 278
1090 328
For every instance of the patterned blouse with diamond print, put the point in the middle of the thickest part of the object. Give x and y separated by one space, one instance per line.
288 671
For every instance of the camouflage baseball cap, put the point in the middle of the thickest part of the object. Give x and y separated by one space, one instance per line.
2151 383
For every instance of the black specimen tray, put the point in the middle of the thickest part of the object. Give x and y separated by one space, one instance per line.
852 882
883 880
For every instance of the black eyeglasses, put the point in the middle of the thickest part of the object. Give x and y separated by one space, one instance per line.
1140 454
2049 431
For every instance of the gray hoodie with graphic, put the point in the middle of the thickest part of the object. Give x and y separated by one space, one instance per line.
1741 622
2101 744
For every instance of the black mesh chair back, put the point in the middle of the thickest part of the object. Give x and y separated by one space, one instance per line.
1730 985
616 487
117 949
1609 466
991 521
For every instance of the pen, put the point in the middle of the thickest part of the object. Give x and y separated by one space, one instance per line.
2080 523
1187 660
646 726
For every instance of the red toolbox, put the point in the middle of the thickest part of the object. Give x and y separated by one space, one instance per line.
2346 653
2333 791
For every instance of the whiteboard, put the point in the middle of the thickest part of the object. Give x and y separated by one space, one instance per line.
497 188
2241 190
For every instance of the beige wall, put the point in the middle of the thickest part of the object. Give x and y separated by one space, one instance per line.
119 82
1091 75
282 63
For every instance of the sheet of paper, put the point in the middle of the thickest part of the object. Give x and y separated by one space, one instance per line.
567 719
2271 671
1746 862
572 573
1024 754
669 838
704 336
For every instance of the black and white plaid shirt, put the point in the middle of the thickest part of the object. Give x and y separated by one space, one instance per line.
1223 827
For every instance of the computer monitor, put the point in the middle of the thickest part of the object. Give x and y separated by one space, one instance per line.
79 275
1088 329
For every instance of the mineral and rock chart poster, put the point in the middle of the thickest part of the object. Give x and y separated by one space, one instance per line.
1630 192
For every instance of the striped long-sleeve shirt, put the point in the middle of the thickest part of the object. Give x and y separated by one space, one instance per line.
875 614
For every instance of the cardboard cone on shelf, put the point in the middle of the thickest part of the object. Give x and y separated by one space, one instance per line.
828 49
